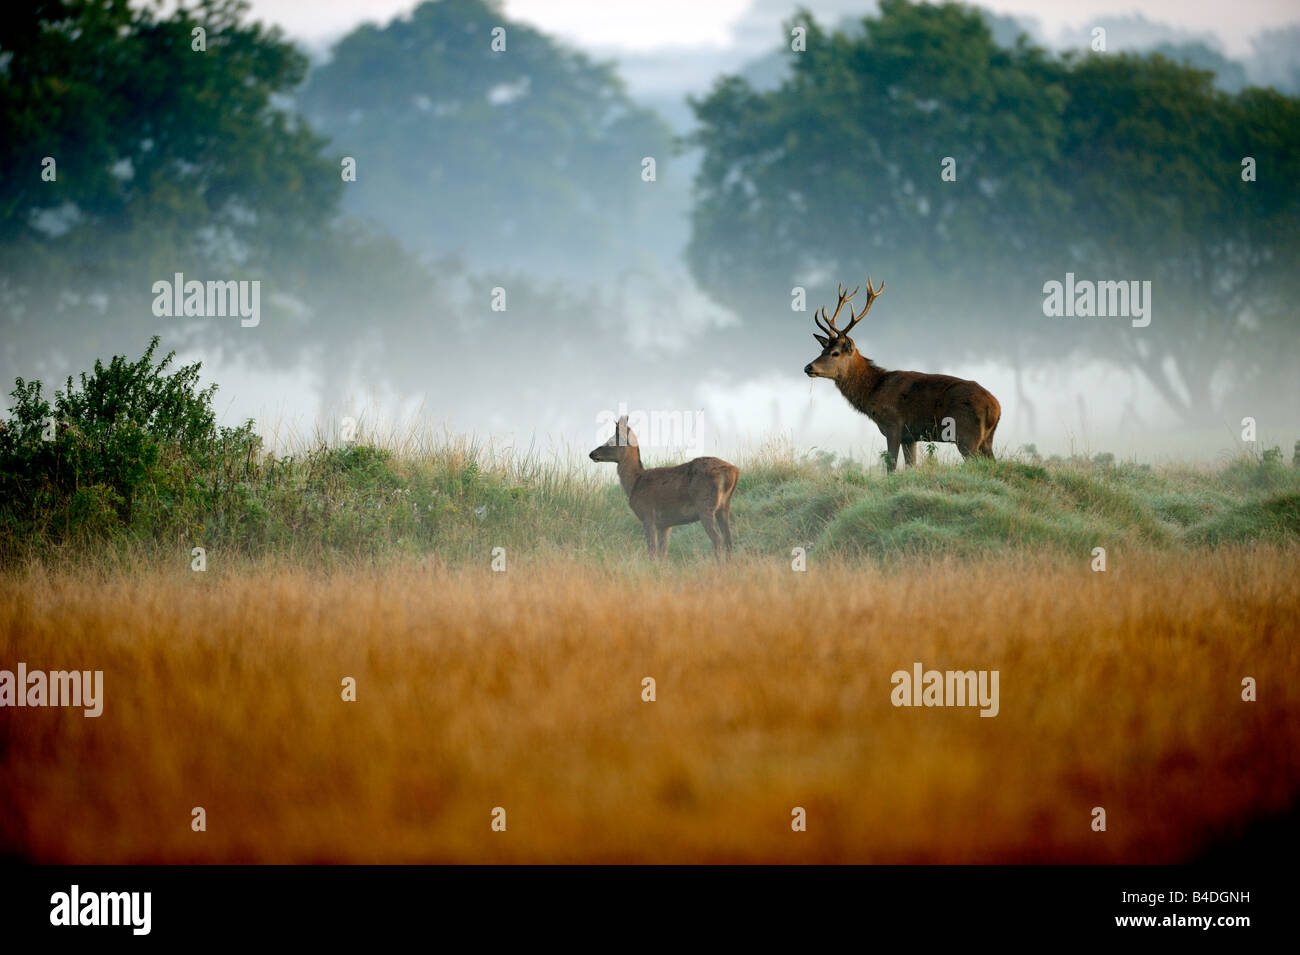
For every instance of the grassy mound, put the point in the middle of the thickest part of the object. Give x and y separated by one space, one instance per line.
132 461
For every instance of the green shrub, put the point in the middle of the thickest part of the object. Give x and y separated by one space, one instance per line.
127 432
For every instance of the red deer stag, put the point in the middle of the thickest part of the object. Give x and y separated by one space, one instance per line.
661 498
907 406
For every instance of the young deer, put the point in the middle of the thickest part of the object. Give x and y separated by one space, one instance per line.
661 498
907 406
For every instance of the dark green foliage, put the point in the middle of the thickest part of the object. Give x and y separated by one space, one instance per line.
168 159
172 159
129 430
529 153
1113 166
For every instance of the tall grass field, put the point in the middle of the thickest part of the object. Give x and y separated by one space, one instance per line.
419 648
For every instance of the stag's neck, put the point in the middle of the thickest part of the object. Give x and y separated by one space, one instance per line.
859 383
630 469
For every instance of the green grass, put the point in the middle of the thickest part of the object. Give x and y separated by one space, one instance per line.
455 500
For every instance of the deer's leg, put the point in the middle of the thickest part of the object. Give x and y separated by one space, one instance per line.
651 539
892 442
909 454
663 540
724 523
968 444
970 435
711 528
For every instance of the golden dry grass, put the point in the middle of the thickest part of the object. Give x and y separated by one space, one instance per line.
523 691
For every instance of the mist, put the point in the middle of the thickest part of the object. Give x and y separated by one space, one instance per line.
516 240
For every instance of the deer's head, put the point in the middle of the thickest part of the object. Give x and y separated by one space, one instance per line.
838 350
616 448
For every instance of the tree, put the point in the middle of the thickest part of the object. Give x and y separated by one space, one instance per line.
527 154
1229 75
1153 153
1114 167
167 159
840 172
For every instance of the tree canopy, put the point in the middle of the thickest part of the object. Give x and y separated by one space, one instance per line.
523 153
126 154
1112 167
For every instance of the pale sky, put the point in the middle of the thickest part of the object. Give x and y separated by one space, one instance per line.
639 25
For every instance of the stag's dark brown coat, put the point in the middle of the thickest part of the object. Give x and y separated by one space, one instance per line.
907 406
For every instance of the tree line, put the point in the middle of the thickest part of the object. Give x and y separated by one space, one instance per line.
136 143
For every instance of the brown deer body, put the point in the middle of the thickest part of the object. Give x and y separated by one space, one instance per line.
663 498
907 406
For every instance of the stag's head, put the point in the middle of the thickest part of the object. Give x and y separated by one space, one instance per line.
838 350
616 448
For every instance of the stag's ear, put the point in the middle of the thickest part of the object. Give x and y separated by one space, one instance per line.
821 339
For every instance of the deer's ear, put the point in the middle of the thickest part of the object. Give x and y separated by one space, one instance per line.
821 339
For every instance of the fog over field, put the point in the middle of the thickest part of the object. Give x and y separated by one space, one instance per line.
497 259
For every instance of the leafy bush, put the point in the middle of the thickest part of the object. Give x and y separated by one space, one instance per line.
129 430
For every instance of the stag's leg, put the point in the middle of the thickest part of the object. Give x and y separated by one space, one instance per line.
892 442
663 540
968 444
724 523
970 433
909 454
711 528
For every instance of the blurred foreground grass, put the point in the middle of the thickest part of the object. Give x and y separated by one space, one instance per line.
523 690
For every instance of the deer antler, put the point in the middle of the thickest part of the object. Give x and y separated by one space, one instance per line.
872 294
828 324
817 320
